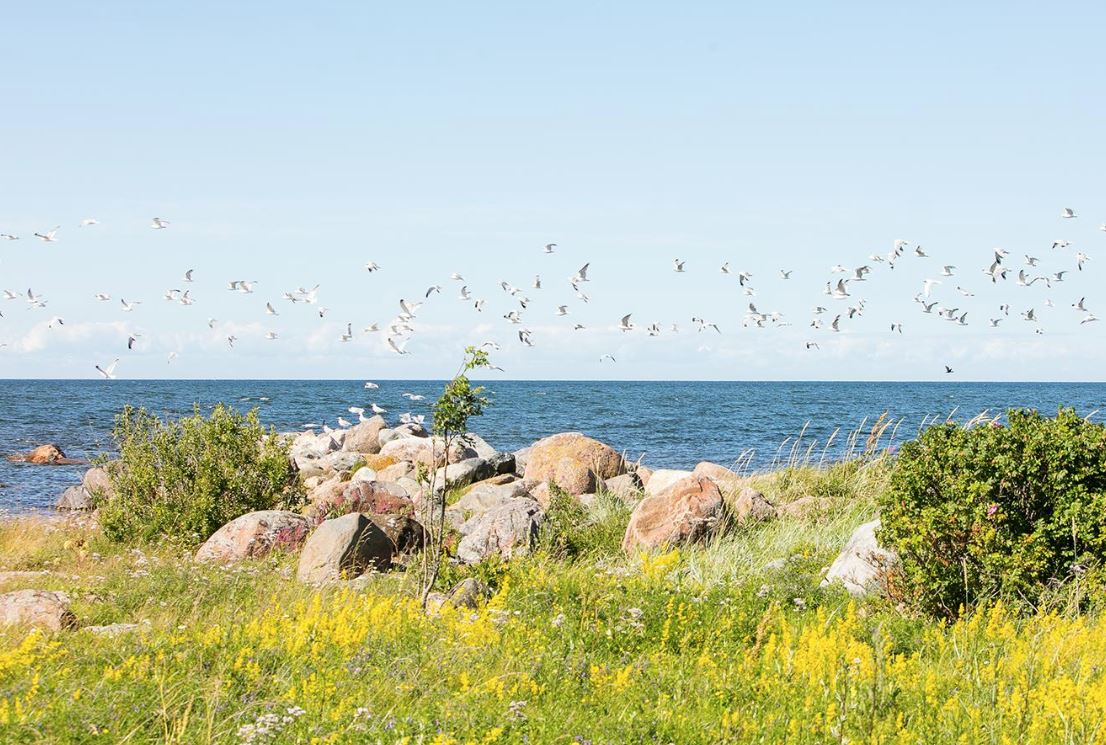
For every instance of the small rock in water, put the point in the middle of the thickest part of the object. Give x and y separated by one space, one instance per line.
46 455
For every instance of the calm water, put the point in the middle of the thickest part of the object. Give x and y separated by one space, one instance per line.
673 424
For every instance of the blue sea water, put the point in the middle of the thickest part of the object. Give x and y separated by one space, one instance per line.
670 424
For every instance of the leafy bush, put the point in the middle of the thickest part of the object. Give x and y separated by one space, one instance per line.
997 511
570 529
185 478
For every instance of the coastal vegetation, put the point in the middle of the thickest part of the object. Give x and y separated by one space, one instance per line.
733 637
184 478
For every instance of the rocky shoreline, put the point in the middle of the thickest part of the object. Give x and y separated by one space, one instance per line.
367 486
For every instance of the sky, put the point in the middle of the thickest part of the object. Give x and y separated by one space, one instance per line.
292 143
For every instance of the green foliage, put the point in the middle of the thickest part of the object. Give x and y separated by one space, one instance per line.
997 511
572 530
184 478
461 400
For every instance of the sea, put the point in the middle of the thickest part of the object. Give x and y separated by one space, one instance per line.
671 424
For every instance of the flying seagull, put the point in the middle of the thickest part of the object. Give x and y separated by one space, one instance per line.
48 236
109 371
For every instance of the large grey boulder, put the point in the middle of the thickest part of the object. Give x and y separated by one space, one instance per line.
475 447
463 473
482 498
862 562
37 608
74 499
344 548
255 535
507 530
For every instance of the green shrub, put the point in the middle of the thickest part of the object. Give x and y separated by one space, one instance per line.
570 529
185 478
997 511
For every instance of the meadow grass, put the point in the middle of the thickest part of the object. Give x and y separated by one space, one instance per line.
733 641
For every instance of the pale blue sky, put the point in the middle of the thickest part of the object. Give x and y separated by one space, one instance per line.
290 144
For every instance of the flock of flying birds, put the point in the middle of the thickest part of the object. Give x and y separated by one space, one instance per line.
843 300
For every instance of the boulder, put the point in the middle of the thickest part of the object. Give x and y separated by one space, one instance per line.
255 535
751 506
660 481
373 497
503 463
74 499
97 482
412 450
576 463
644 473
411 429
406 533
507 530
46 455
463 473
687 511
307 447
476 447
521 458
862 562
480 499
344 548
364 437
326 492
395 472
626 487
340 462
364 473
37 608
720 475
413 488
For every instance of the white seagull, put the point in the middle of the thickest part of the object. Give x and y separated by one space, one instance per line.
109 371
